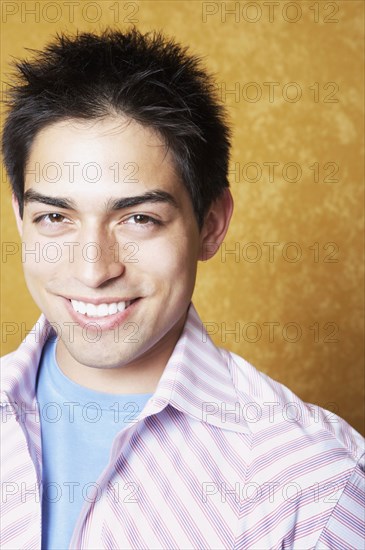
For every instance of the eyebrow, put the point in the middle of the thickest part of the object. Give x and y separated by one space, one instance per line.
112 204
33 196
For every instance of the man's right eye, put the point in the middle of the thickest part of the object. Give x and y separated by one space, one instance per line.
50 219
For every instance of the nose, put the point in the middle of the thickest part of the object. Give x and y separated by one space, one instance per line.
98 261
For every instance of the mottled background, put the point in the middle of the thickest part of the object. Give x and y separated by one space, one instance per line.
285 291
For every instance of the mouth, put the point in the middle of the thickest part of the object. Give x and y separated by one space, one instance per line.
103 314
104 309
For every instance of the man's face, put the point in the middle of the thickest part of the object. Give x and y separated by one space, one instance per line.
115 276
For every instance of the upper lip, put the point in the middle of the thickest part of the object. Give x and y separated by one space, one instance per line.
98 301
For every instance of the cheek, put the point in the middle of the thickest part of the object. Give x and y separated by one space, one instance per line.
34 265
169 258
41 260
43 255
36 274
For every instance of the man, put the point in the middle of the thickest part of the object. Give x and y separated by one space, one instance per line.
123 425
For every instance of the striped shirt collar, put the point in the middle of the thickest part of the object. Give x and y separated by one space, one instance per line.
196 380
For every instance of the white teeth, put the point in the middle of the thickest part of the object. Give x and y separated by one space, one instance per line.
101 310
112 308
75 305
82 307
91 310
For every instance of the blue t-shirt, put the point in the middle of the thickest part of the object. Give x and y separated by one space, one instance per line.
78 427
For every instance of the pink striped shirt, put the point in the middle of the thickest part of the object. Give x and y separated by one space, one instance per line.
221 457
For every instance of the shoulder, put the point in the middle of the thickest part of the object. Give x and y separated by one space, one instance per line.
306 465
345 526
268 405
7 363
8 359
19 367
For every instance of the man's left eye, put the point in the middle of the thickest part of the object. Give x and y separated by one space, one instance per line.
141 219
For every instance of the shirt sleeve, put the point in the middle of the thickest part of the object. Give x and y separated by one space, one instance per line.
345 529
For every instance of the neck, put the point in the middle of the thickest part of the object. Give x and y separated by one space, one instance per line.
140 376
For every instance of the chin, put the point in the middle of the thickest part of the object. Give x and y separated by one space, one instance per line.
99 356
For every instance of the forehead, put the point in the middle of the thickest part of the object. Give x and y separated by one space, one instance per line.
119 154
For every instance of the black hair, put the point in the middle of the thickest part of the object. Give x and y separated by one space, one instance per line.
145 77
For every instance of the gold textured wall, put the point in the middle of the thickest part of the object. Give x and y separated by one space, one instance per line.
288 280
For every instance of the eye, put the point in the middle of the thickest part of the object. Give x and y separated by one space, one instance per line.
142 219
52 218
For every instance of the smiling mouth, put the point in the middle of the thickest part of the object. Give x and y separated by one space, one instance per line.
100 310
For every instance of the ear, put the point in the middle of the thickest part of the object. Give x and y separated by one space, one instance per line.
18 219
215 226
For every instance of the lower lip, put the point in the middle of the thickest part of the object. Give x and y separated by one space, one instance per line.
101 323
